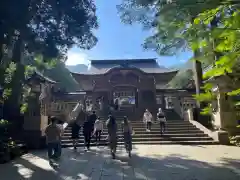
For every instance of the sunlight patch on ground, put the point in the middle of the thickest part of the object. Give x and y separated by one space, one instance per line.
38 161
23 171
147 162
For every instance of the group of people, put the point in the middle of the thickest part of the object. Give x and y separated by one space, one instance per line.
112 134
148 120
92 126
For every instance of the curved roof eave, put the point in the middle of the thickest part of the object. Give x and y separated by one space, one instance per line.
92 74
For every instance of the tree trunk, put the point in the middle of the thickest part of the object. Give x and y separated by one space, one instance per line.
13 101
197 72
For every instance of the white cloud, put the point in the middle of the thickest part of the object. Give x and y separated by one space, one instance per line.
77 58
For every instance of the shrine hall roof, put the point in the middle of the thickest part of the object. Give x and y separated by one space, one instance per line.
146 65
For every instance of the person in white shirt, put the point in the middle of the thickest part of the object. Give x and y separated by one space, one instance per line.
98 128
147 119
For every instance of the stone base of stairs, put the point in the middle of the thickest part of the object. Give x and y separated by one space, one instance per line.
177 132
151 143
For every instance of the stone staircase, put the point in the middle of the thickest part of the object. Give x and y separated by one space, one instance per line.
177 132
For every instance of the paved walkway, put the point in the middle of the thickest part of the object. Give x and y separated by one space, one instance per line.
172 162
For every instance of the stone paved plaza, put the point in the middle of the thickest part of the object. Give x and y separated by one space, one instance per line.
154 162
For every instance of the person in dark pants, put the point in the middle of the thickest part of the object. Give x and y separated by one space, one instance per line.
75 134
116 104
87 133
112 134
162 120
53 137
92 118
127 135
76 127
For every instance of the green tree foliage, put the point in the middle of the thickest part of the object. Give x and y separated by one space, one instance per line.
63 77
48 28
224 40
181 80
169 20
209 28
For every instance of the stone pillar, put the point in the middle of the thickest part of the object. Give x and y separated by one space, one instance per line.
227 114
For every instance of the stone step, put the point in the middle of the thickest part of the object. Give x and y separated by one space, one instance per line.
207 142
155 122
136 139
68 136
153 126
191 132
143 129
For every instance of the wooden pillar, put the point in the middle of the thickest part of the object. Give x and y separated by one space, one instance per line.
136 98
163 102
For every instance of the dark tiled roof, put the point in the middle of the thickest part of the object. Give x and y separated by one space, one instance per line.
41 77
146 65
123 61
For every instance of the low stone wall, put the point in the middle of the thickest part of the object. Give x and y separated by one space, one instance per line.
221 136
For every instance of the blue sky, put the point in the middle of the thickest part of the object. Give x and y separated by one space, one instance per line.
118 41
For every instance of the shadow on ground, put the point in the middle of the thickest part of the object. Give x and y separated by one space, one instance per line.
97 164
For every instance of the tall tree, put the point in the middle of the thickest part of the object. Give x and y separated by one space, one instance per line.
170 20
44 27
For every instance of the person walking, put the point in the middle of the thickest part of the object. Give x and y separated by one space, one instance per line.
116 103
162 120
127 135
53 138
112 134
87 133
98 128
76 127
147 119
92 118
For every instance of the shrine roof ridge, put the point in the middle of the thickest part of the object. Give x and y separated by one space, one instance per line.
122 61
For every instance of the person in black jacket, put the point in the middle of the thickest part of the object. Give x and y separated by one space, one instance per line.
76 127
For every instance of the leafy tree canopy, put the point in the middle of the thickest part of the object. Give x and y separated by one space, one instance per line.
168 20
46 28
208 27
